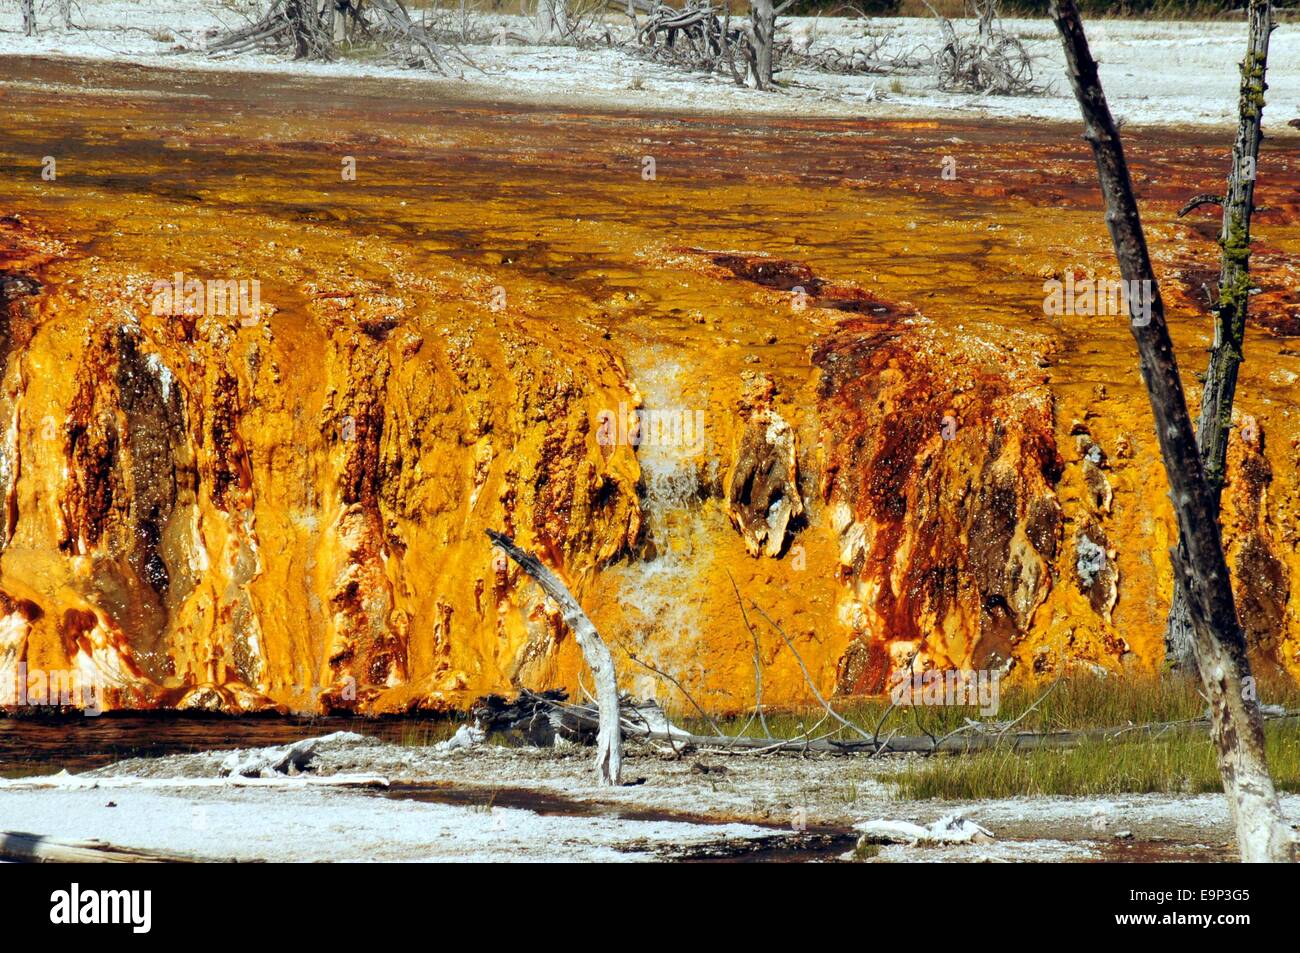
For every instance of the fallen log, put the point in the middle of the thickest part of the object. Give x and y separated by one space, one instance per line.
83 782
535 718
22 847
289 759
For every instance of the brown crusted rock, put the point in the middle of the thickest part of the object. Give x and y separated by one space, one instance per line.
1261 579
1094 568
939 468
231 516
762 490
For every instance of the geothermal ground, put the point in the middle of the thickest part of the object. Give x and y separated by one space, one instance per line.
868 423
378 799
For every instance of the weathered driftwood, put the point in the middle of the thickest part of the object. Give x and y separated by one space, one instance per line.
82 782
536 718
22 847
1218 641
870 58
269 29
1227 353
396 23
699 37
541 718
290 759
609 740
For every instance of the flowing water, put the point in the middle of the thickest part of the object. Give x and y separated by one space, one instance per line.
74 743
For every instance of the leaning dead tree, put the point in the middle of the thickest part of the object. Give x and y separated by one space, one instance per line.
318 29
1230 310
1218 641
609 737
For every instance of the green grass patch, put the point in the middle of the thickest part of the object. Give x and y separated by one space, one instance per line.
421 734
1076 703
1179 763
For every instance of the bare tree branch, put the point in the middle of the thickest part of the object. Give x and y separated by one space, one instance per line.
808 677
758 658
609 741
1196 201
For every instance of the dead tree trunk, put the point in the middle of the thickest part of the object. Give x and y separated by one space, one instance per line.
1234 296
609 738
23 848
29 17
1217 637
762 15
337 23
301 46
553 17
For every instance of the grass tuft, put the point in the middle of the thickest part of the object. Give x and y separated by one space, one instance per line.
1177 764
1078 703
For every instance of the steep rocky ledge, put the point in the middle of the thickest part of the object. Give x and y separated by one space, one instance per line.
940 483
201 515
881 437
207 511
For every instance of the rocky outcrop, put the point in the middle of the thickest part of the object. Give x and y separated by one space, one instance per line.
763 485
212 512
939 475
227 514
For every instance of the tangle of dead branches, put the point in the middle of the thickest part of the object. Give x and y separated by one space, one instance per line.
867 57
992 61
321 29
699 37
